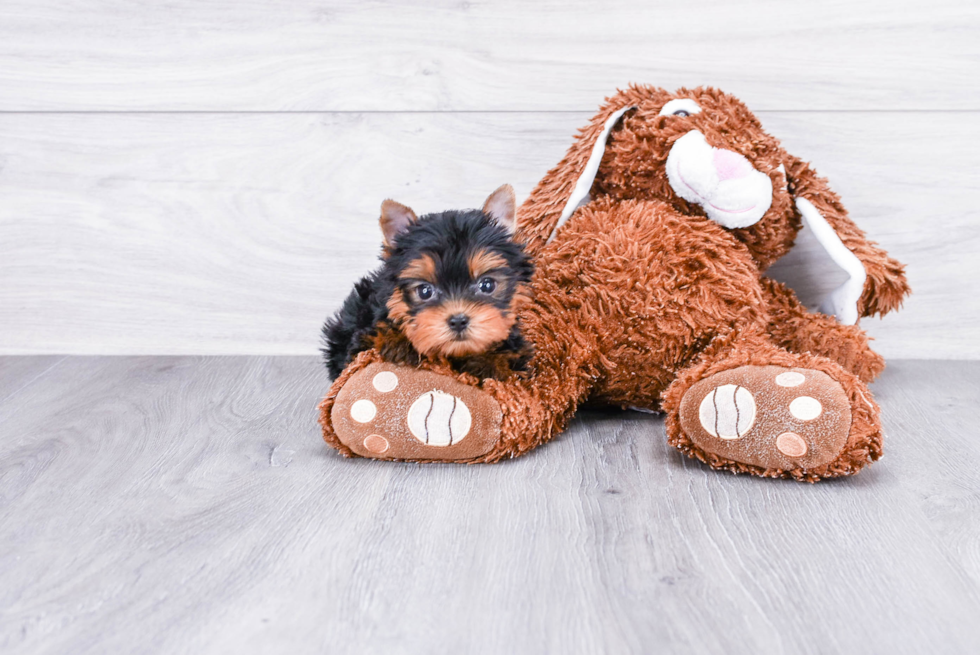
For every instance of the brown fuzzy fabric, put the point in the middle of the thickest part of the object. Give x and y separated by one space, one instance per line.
792 327
741 349
886 285
640 295
634 167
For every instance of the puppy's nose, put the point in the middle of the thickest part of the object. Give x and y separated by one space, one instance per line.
459 322
731 165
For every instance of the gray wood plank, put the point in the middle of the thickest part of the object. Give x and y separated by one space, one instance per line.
168 234
188 505
934 447
499 55
16 373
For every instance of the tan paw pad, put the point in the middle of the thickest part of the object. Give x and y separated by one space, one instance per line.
791 444
768 416
385 381
790 379
363 411
728 412
437 418
385 411
376 443
805 408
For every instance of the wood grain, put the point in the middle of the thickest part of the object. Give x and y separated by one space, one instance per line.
98 55
18 373
204 177
186 504
225 233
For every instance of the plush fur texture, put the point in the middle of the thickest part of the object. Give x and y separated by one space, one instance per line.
634 167
447 255
640 295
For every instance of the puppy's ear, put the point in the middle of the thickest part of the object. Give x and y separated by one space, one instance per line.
502 207
395 219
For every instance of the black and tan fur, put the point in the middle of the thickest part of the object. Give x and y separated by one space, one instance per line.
448 287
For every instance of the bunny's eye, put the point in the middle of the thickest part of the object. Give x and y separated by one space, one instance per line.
681 107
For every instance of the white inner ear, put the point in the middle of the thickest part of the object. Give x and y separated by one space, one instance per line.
580 194
502 207
680 104
842 301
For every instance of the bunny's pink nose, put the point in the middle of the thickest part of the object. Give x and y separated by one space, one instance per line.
731 165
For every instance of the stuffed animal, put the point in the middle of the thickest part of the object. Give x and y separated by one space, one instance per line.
650 241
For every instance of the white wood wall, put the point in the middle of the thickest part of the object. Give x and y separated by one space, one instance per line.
204 177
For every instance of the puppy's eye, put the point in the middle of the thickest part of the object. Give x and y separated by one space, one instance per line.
487 285
681 112
424 291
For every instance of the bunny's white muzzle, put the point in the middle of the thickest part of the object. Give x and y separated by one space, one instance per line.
724 183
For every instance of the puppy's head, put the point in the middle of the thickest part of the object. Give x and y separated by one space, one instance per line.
457 276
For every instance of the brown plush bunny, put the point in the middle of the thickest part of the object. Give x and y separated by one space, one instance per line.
650 240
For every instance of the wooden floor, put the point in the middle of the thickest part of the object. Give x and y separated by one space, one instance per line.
203 178
188 505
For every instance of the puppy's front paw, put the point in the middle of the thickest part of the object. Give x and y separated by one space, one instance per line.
386 411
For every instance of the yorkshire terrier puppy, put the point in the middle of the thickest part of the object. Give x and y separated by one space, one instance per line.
449 286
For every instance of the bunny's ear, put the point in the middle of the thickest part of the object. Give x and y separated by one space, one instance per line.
876 283
567 185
